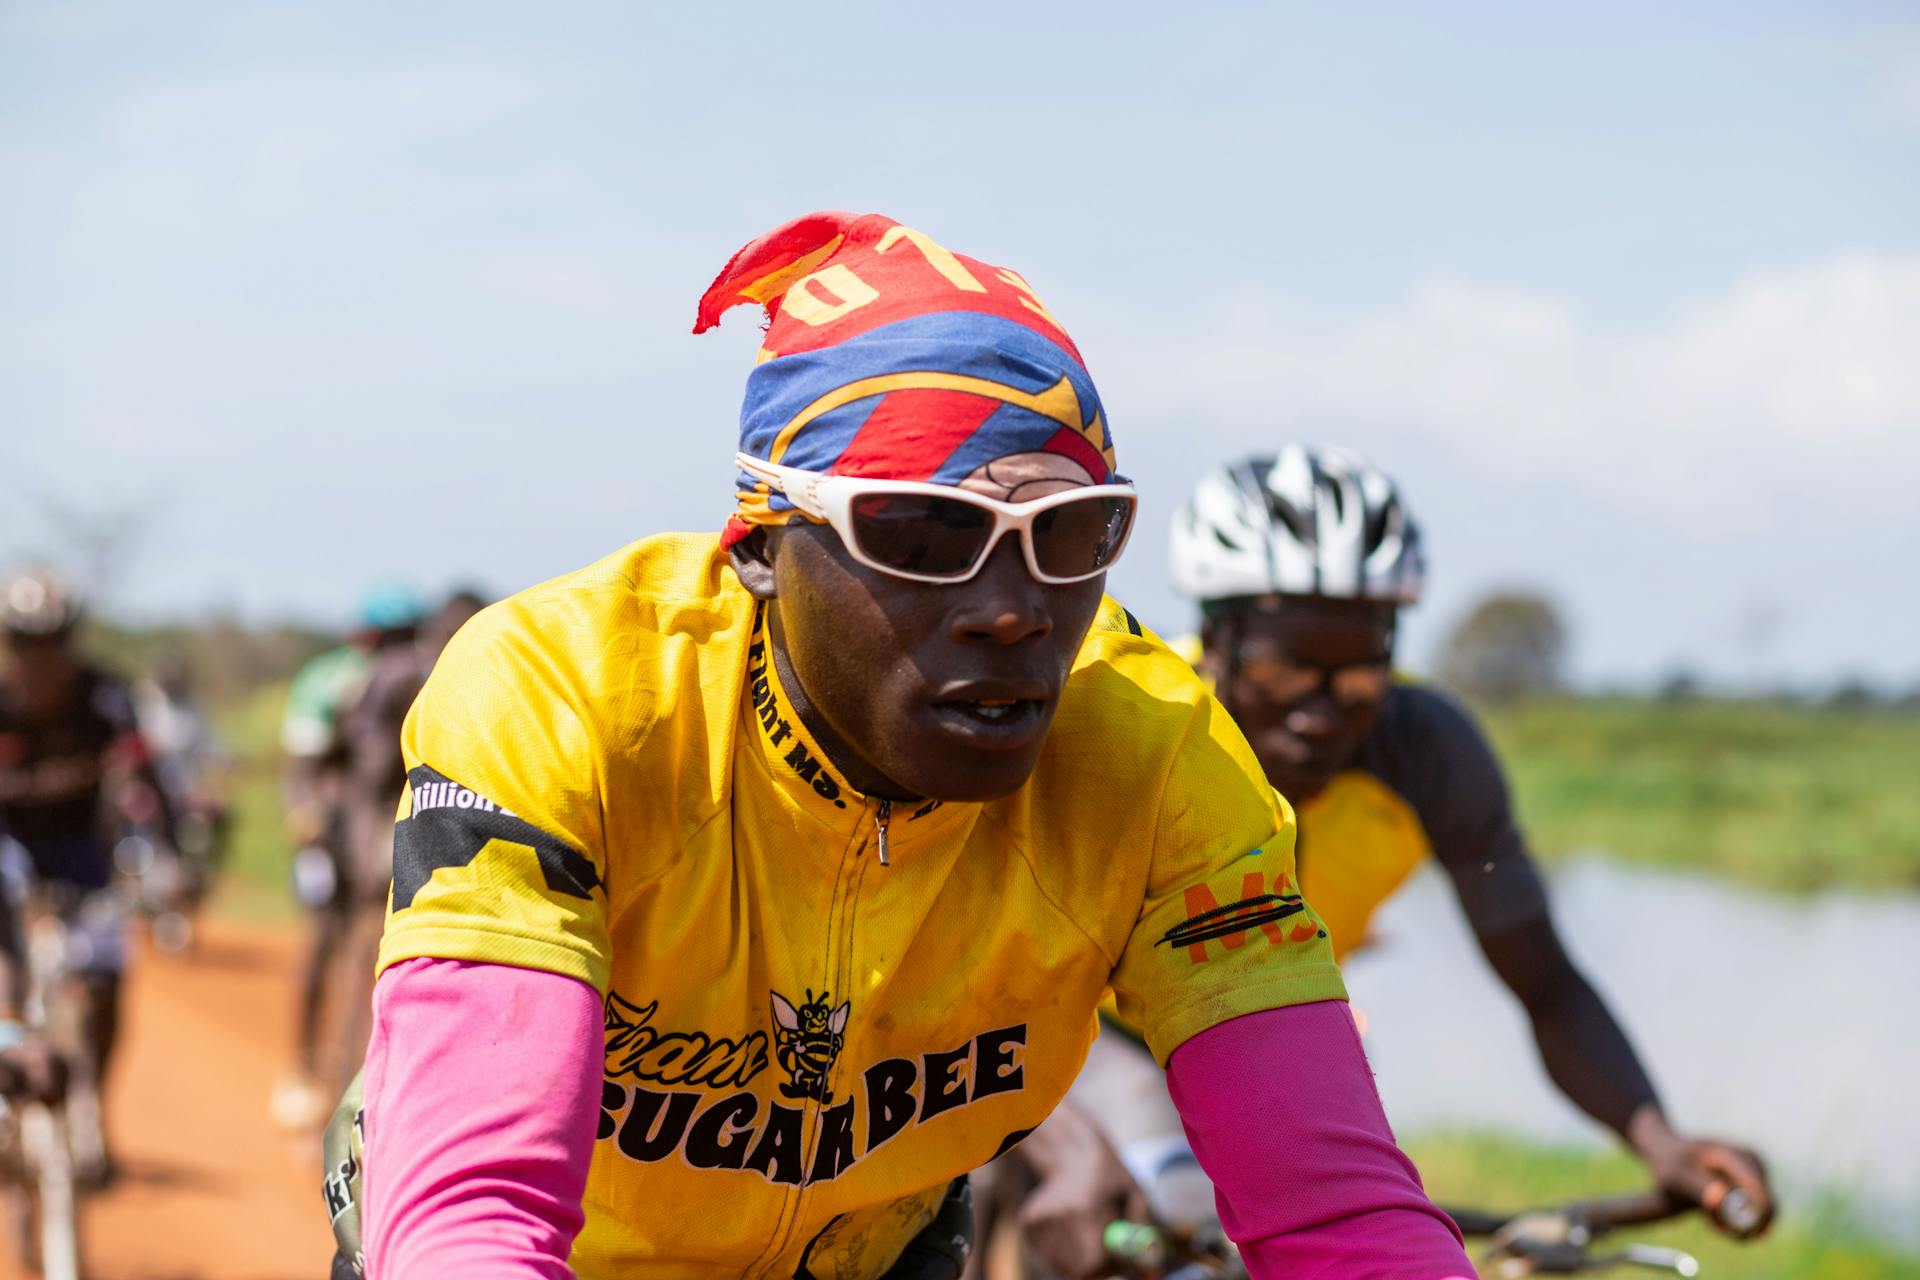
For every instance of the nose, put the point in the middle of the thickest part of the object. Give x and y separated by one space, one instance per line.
1002 604
1317 716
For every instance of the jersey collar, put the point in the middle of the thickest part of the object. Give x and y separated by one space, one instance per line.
800 770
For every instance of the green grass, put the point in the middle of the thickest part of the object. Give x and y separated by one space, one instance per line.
1770 794
1497 1173
257 883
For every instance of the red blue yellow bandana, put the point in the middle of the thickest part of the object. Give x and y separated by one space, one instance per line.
888 356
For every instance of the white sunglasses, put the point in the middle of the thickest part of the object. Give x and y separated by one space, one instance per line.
937 533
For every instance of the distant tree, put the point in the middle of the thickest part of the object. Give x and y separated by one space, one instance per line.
1679 685
1853 694
1510 645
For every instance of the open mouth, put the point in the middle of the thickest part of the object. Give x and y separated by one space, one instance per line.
996 710
1002 723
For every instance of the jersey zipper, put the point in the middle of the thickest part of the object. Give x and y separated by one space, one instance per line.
838 977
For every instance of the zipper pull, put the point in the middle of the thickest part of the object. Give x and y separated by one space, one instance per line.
886 808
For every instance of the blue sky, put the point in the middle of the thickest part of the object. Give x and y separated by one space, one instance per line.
1628 299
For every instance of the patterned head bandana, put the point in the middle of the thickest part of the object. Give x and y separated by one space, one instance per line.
887 356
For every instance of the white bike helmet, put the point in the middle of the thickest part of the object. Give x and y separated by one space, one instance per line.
1304 521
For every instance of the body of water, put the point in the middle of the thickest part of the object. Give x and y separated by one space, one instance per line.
1791 1024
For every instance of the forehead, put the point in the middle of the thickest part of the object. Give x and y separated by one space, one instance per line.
1322 628
1022 477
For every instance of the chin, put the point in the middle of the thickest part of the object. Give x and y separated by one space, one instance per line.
974 777
1299 786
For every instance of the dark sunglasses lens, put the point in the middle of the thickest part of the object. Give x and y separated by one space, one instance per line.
1077 539
1280 680
921 533
1362 686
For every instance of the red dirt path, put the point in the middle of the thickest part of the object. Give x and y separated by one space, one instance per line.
209 1189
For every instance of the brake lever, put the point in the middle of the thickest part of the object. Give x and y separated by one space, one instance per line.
1655 1257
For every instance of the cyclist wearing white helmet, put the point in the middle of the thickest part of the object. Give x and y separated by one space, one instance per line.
1301 561
1302 522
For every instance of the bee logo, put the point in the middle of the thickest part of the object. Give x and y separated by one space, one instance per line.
806 1041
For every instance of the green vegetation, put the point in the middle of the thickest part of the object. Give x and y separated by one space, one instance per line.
1497 1173
226 662
1771 794
258 879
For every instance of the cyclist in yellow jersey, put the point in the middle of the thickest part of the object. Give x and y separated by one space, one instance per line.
1301 561
748 892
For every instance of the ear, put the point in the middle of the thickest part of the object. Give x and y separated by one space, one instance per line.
838 1022
1211 664
783 1012
1390 620
753 563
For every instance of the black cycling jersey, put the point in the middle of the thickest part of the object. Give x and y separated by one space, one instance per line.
52 766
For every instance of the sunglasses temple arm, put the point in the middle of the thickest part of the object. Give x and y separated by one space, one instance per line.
803 495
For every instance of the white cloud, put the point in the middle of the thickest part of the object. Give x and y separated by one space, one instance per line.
1828 353
1791 373
1758 443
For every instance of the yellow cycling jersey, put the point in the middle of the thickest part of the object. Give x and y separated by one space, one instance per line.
805 1046
1366 841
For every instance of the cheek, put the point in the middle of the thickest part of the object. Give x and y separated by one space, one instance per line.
1073 609
842 636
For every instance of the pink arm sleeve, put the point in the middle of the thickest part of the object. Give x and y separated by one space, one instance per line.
1281 1110
482 1098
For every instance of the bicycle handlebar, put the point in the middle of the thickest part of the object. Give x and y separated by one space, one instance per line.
1545 1241
1736 1211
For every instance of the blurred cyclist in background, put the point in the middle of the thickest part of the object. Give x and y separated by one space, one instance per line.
72 767
376 776
28 1065
461 604
325 796
187 756
190 765
1301 562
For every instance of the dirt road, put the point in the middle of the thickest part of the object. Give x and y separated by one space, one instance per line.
209 1190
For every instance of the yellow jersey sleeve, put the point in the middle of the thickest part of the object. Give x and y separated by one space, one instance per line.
499 849
1222 929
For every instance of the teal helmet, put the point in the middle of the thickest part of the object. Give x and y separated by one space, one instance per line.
391 606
